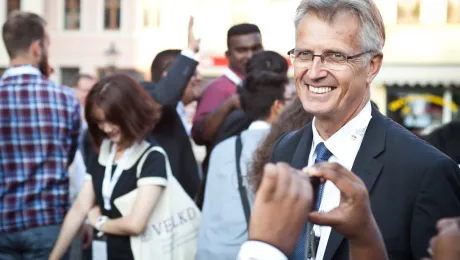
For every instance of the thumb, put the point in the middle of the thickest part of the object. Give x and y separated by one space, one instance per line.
325 218
268 184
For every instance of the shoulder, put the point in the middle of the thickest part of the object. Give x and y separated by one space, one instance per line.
224 151
64 92
219 84
153 169
155 157
407 151
407 145
252 137
290 139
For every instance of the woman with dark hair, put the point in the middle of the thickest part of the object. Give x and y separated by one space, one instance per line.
120 114
293 117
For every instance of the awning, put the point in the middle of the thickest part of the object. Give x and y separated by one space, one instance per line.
399 75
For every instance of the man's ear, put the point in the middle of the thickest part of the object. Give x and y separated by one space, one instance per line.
35 48
164 73
374 67
276 108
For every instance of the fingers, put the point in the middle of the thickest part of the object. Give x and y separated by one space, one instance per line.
284 180
341 181
340 169
190 23
447 222
269 180
330 218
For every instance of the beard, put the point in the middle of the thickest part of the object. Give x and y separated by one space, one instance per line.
44 67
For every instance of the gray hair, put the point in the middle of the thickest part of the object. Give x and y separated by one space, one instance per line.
372 35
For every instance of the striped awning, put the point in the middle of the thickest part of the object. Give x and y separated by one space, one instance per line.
433 76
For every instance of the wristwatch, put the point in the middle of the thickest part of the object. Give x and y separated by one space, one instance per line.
99 223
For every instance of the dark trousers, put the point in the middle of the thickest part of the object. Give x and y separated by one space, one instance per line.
31 244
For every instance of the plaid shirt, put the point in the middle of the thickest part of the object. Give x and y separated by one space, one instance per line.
39 128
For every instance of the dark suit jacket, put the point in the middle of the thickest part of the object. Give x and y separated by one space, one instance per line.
411 184
170 132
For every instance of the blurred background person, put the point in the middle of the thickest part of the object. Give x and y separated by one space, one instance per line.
219 99
446 138
226 207
159 69
293 118
174 83
81 246
120 115
39 133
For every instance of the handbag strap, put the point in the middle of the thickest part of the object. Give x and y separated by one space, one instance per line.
142 160
241 188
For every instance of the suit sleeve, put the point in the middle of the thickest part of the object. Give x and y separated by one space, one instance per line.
169 90
438 197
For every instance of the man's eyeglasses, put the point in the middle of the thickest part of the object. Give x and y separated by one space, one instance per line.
331 60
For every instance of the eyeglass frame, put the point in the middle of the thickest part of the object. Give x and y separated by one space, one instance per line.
322 55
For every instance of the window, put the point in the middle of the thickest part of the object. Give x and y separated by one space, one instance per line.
408 11
68 75
152 15
453 11
112 14
72 15
12 5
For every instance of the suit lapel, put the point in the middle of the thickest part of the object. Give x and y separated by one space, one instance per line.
365 166
302 152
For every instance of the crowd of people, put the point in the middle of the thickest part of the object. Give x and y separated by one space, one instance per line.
315 173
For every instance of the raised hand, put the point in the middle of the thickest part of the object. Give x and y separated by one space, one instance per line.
193 43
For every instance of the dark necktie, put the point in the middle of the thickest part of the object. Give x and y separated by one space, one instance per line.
322 155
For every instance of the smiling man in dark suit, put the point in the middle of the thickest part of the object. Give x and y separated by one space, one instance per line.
337 54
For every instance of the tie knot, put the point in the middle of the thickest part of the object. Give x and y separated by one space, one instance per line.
322 153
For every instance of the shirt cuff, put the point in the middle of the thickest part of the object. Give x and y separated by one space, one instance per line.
190 54
255 250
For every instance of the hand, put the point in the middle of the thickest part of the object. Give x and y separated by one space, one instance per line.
353 217
281 207
235 101
93 215
86 236
193 43
445 244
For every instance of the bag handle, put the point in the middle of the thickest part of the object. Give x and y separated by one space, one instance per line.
152 149
241 188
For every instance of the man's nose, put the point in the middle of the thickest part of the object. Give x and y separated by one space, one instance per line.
316 70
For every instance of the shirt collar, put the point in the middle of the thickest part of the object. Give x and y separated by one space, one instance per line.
354 129
21 70
259 124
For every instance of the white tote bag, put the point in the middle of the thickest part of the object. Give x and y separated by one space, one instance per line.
171 233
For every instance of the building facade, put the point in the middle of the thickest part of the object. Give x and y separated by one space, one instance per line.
418 85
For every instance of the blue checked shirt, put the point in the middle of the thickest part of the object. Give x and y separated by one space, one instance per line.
39 129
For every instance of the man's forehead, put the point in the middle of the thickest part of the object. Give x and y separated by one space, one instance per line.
343 28
245 39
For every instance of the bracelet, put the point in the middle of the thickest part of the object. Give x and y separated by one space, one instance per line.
99 223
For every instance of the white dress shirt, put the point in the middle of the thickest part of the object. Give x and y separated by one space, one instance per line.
344 146
182 112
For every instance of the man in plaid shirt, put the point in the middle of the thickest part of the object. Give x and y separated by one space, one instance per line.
39 128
